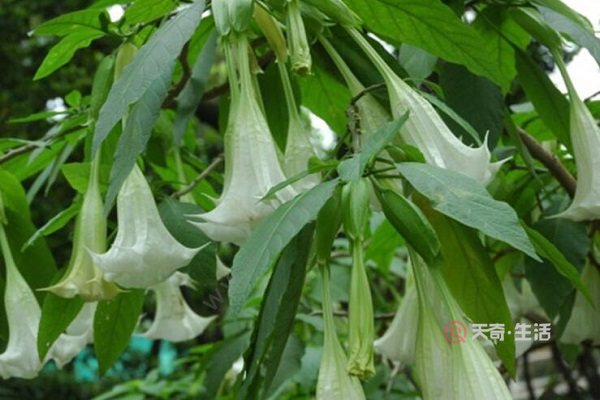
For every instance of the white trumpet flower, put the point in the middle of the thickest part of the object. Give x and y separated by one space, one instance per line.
79 333
445 370
20 359
584 323
175 321
144 253
83 277
334 382
585 136
426 130
398 342
251 163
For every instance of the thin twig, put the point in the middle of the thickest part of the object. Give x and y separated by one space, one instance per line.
187 73
365 91
565 372
550 161
345 314
527 376
218 160
17 151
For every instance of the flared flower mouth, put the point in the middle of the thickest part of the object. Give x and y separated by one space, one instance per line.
251 163
175 321
144 252
426 130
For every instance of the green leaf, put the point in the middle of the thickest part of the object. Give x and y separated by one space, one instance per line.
69 23
103 79
353 169
191 94
576 27
57 315
136 134
557 259
62 52
432 26
382 248
326 97
269 238
471 276
223 356
277 315
465 200
148 65
36 117
202 268
114 323
475 99
143 11
55 223
549 102
452 116
36 264
410 222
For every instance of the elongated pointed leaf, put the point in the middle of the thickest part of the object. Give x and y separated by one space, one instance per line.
57 315
269 239
114 323
465 200
149 64
136 134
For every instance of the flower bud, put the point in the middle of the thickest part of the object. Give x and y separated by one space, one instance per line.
334 382
297 40
355 206
298 149
144 253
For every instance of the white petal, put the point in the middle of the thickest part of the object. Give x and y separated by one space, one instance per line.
584 323
144 253
79 333
585 136
398 342
175 321
20 358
